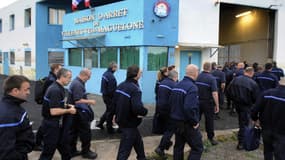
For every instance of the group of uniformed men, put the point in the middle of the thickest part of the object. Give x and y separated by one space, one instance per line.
179 106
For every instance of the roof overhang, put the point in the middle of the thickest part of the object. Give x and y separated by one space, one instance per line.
86 41
199 45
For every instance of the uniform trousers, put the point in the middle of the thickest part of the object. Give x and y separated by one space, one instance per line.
274 145
185 133
130 137
55 137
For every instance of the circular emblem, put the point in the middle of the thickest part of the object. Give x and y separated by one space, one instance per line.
161 9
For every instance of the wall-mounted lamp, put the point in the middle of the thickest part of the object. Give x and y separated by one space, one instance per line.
176 46
243 14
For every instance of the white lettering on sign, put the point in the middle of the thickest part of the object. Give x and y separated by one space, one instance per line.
97 28
104 29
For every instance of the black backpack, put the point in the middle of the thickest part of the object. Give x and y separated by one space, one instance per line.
39 90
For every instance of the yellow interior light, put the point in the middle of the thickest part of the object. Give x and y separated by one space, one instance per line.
243 14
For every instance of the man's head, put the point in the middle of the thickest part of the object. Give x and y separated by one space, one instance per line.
192 71
55 68
133 72
268 66
64 76
173 74
17 86
207 67
214 65
85 74
113 66
240 65
249 71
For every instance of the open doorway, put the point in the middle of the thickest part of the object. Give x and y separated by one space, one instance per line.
247 34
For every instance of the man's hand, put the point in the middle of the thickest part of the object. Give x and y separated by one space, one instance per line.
72 110
92 102
217 109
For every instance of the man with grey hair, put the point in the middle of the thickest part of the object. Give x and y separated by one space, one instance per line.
108 87
208 99
54 123
184 105
162 119
82 119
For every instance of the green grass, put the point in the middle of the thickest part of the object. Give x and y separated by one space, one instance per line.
207 147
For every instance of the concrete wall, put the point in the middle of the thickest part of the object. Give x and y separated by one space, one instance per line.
279 48
198 22
20 39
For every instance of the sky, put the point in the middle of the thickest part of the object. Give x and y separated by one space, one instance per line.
5 3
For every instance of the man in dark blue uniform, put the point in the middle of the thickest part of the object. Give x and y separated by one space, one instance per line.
128 111
163 111
54 68
108 87
221 82
82 119
243 91
269 110
278 72
208 99
267 80
239 70
16 135
185 114
54 127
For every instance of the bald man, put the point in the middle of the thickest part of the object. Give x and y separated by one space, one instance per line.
185 115
82 119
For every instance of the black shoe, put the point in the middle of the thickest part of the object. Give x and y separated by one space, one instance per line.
240 147
159 152
100 126
75 153
38 148
89 155
213 142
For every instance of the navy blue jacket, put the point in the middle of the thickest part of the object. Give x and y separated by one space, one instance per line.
207 84
54 98
128 104
266 80
278 72
243 90
220 77
164 91
108 83
184 102
270 110
16 135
